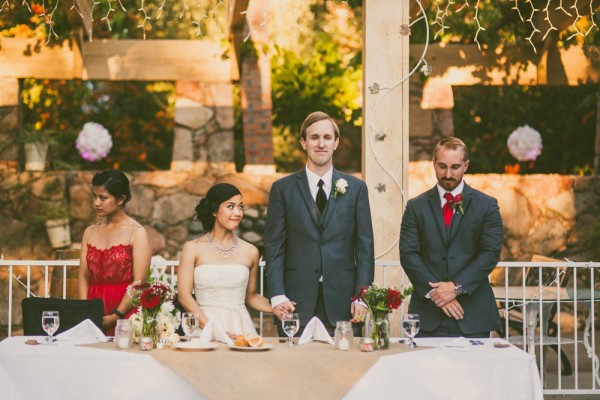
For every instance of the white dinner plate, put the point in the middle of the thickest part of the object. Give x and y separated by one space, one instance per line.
194 346
264 347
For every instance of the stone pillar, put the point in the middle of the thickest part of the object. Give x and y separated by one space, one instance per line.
256 93
203 127
385 114
9 121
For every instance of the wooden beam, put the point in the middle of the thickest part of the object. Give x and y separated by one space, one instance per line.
385 116
466 65
31 58
191 60
147 60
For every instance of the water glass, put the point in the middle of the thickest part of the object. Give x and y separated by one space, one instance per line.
411 324
290 323
190 323
50 324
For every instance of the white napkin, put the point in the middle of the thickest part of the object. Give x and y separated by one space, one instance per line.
315 330
458 344
86 332
213 329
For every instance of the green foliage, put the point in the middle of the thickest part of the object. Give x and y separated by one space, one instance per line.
484 117
51 211
166 20
138 115
323 80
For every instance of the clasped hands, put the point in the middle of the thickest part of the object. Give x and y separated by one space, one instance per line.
444 296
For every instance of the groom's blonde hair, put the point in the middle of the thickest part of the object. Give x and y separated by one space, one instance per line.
451 143
316 117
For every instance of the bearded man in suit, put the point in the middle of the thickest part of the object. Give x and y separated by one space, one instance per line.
319 235
450 241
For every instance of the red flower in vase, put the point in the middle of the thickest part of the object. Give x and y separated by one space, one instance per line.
149 299
394 299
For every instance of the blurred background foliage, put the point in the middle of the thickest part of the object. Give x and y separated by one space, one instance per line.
316 54
138 115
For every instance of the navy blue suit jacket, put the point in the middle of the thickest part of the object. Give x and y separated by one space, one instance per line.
466 253
300 244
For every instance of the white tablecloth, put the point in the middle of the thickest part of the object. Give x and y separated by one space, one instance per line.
64 371
479 372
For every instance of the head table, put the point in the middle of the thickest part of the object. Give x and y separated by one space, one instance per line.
313 371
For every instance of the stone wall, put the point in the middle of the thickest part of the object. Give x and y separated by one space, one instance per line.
543 214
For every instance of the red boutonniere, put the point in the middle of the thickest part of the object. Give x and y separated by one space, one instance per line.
457 203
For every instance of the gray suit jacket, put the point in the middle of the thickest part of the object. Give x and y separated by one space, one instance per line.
300 245
466 253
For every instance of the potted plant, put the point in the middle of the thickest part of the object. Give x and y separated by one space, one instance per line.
56 219
35 147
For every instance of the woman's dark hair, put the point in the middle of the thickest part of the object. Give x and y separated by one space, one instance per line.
115 182
210 204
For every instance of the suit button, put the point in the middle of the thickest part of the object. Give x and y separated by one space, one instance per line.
444 258
316 271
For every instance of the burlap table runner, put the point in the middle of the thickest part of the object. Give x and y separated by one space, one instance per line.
313 371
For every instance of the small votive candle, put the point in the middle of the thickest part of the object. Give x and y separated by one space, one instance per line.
146 343
344 344
366 344
123 342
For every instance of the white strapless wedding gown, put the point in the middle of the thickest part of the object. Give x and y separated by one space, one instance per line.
221 293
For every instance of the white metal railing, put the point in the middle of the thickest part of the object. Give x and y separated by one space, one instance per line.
525 289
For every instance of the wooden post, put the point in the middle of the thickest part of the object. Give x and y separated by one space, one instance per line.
385 120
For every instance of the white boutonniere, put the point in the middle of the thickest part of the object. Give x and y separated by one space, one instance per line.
339 187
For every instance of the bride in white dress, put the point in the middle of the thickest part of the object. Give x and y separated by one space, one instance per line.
219 267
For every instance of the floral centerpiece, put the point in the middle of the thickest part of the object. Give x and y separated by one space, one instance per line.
156 316
380 302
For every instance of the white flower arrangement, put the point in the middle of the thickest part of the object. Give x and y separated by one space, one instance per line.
94 142
525 143
339 187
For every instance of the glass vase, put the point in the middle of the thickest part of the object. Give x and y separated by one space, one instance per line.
150 328
378 329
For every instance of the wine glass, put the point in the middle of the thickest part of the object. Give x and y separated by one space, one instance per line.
410 324
290 322
190 323
50 324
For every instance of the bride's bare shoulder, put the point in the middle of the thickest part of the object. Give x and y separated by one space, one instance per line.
248 248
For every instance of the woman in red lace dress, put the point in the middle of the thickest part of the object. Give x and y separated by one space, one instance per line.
115 251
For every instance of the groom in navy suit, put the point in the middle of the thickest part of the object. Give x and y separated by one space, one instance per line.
450 241
319 235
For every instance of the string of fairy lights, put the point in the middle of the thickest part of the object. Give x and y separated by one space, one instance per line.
528 13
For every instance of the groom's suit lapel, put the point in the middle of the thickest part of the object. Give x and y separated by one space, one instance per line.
438 215
331 202
311 207
458 217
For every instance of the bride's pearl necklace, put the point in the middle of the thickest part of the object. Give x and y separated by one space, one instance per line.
225 251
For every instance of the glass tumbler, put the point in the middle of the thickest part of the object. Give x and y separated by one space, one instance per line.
343 335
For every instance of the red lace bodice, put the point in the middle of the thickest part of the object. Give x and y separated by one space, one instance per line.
110 266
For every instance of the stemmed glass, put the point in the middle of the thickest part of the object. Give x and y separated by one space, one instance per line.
50 324
410 324
190 323
290 322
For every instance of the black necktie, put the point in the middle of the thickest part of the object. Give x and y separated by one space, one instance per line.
321 197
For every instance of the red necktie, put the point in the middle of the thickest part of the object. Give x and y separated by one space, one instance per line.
448 210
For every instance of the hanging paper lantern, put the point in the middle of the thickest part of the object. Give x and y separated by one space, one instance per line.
525 143
94 142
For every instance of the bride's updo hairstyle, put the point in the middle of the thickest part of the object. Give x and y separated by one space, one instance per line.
210 203
115 182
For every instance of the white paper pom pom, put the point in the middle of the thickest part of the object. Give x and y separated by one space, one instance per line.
525 143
